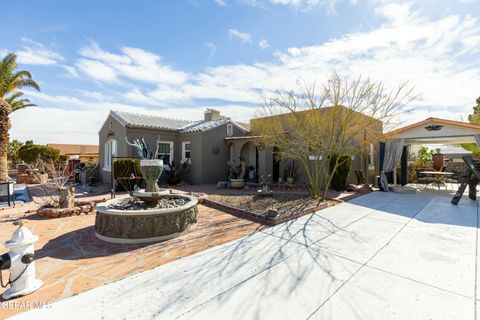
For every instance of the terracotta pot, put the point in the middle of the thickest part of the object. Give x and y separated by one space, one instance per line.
237 183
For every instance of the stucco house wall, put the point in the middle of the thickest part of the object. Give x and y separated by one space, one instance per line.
214 166
209 152
194 173
111 129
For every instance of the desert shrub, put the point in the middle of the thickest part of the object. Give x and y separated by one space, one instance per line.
127 173
30 153
175 171
340 175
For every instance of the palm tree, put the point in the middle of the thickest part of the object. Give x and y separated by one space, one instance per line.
16 103
11 81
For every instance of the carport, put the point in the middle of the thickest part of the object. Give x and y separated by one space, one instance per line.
394 145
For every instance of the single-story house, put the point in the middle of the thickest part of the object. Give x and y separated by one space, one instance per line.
201 142
209 144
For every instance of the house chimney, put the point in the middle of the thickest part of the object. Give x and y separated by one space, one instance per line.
212 114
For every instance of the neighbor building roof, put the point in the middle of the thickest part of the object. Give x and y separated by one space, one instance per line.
129 119
75 149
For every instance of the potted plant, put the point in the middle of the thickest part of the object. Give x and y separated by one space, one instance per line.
236 173
291 172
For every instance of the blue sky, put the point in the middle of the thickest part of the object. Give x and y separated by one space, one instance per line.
175 58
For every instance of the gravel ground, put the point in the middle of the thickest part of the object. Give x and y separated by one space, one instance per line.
286 204
167 202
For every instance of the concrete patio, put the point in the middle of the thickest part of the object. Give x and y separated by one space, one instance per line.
380 256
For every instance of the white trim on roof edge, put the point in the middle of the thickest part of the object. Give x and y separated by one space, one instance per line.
106 119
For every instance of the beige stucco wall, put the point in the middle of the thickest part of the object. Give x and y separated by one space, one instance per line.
360 161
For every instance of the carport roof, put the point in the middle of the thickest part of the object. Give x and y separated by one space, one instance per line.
436 130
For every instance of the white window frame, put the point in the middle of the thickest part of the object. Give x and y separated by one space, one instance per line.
165 165
371 157
110 150
229 129
184 143
315 158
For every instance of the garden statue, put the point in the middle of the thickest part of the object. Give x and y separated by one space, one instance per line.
265 183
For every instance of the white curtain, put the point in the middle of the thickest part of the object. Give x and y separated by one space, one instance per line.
392 155
477 139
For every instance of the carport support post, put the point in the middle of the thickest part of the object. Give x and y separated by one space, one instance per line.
404 164
381 151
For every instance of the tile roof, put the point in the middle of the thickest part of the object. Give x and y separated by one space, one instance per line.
203 125
129 119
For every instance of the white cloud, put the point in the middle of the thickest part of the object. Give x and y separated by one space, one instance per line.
133 63
97 70
439 57
242 36
287 2
81 121
220 2
36 53
71 71
212 47
263 44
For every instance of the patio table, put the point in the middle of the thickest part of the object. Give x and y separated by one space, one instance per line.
438 177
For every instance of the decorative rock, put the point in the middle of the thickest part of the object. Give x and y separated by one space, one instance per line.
272 213
81 207
364 189
351 187
222 184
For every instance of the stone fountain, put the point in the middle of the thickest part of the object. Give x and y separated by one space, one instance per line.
149 215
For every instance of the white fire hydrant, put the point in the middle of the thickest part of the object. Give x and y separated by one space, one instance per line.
20 261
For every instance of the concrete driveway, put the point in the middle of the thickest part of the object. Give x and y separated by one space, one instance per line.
380 256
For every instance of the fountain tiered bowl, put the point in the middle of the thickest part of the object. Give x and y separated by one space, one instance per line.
146 216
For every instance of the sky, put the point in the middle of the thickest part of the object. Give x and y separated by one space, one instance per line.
176 58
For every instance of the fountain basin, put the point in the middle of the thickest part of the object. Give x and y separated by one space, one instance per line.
145 225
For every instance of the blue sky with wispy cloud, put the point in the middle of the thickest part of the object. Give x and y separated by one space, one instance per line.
177 57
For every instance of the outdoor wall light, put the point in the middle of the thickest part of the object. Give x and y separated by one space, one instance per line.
434 127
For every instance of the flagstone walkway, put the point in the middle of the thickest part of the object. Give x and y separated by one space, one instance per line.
70 259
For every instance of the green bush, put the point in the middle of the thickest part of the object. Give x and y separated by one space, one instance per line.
122 172
29 153
339 179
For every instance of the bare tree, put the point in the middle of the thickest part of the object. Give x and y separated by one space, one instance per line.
342 118
55 180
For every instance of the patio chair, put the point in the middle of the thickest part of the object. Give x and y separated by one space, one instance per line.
423 179
7 190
